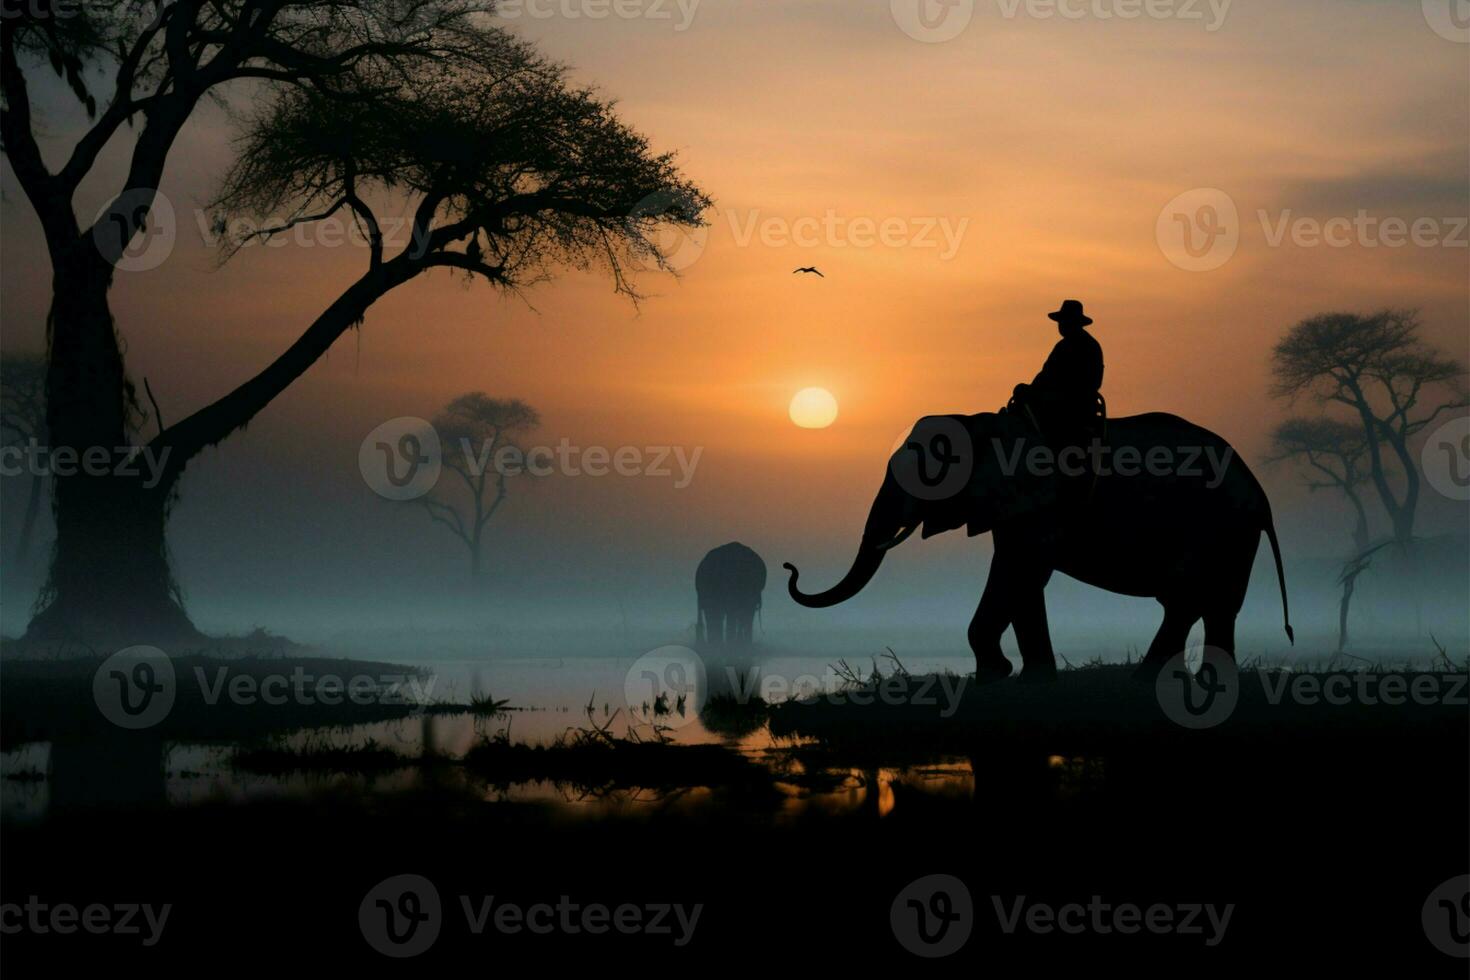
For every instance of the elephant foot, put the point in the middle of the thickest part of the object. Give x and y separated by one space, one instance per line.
989 671
1038 674
1147 673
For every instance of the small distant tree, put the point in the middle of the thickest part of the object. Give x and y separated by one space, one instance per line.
1335 455
479 439
1348 579
1376 366
23 419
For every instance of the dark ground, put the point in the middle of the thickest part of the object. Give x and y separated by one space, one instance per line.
1327 837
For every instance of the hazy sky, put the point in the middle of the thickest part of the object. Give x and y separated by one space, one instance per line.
1027 160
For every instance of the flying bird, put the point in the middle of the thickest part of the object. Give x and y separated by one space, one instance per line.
809 268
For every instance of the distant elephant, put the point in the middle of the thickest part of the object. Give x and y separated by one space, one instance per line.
729 582
1184 531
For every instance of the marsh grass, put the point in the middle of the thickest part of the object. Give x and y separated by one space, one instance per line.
368 758
1095 705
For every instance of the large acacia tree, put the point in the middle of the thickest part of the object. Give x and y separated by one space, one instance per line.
1392 384
1334 452
510 171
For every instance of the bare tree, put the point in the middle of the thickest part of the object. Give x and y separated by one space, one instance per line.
1348 579
23 422
1335 454
1377 366
478 438
508 169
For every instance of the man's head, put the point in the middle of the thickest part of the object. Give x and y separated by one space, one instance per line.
1070 317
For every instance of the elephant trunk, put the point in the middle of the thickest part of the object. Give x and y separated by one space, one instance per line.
864 566
890 520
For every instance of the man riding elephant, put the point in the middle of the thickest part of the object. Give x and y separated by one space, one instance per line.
1063 398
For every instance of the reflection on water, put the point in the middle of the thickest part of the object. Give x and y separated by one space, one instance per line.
550 699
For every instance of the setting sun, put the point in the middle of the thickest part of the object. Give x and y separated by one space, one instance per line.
813 408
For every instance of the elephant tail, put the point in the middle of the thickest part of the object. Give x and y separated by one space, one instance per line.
1270 530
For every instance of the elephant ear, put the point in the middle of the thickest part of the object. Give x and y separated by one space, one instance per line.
969 471
1002 488
933 466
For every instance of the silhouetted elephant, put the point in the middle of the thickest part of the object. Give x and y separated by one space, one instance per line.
728 582
1171 513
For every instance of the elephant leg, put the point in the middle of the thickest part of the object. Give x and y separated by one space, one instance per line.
1220 632
986 628
1033 636
1171 639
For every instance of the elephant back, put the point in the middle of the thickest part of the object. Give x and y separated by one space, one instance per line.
732 567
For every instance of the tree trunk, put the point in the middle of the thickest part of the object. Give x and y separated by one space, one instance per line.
476 571
109 580
1361 536
1342 614
28 523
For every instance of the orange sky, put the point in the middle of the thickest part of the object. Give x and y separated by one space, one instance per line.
1054 143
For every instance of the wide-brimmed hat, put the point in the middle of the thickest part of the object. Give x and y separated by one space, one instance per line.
1071 312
